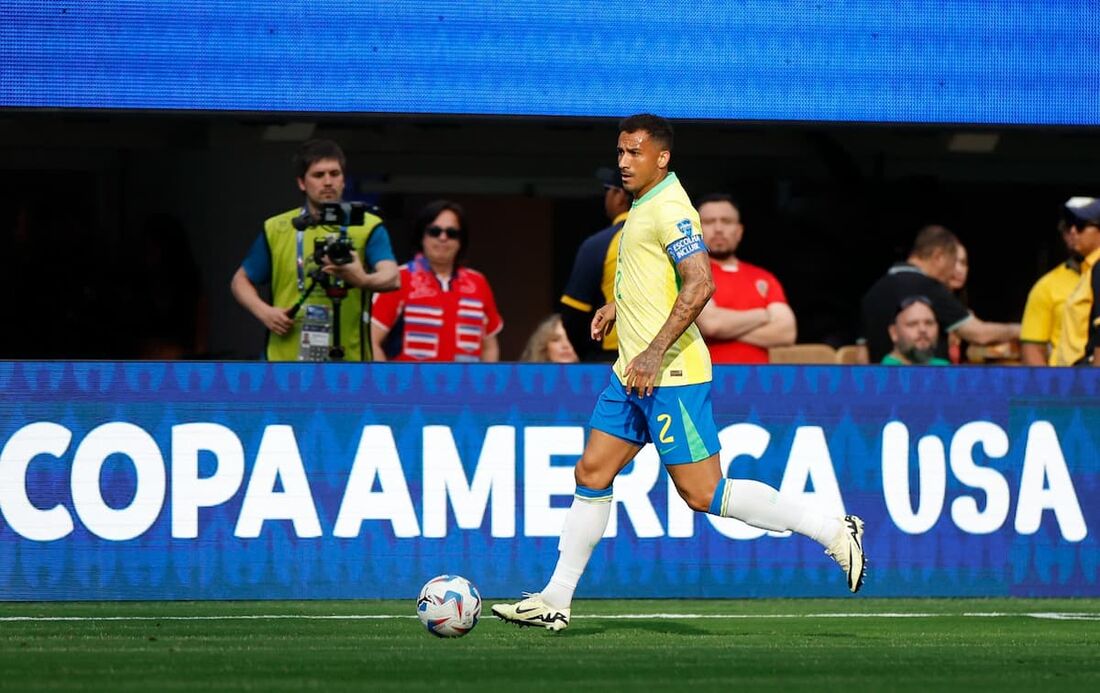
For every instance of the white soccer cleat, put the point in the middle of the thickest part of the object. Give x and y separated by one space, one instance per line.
533 611
847 550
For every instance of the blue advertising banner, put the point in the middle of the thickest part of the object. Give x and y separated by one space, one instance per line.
256 481
915 61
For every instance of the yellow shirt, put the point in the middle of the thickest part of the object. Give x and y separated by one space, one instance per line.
1045 309
1075 319
662 225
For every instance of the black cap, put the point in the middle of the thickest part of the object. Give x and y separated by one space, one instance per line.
908 301
1082 209
609 177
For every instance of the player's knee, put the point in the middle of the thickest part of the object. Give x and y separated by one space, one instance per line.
591 476
697 499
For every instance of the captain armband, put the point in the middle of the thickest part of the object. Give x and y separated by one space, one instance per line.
685 247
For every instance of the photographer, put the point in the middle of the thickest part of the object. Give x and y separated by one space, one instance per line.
320 304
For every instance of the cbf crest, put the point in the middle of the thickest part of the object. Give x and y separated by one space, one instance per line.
685 226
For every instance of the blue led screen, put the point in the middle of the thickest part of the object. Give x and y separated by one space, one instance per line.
922 61
256 481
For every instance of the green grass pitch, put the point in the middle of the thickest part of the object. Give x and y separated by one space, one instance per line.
720 645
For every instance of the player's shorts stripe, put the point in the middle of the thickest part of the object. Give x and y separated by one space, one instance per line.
696 445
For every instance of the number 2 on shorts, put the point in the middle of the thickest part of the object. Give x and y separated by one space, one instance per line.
665 419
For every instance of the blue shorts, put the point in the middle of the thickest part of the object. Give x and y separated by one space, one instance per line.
678 420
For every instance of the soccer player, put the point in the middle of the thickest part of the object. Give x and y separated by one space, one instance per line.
660 387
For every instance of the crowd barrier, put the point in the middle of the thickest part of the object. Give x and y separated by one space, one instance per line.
258 481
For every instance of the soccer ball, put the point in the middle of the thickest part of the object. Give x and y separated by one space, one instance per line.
449 606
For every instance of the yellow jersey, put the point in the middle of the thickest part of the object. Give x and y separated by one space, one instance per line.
1045 311
662 229
1075 320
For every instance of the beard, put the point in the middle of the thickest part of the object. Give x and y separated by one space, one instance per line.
918 355
720 255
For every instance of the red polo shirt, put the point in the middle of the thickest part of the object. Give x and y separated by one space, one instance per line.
742 287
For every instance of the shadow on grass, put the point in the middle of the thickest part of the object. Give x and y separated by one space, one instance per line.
596 627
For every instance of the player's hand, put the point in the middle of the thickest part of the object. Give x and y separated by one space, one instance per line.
641 372
603 321
350 272
276 319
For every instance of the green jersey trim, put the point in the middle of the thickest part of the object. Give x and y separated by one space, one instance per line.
669 179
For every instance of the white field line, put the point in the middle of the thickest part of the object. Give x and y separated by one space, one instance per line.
1058 616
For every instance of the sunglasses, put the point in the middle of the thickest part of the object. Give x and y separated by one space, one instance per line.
449 232
1074 223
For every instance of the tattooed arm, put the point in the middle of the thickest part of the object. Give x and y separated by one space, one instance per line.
695 291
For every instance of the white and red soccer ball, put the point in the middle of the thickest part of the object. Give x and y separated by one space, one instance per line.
449 606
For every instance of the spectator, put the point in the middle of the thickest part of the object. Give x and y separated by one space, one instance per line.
443 311
1042 324
914 333
1079 343
282 255
549 343
927 272
961 271
748 313
591 283
957 284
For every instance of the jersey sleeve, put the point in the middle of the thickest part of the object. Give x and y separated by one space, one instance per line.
386 307
1038 324
582 291
775 289
493 322
678 232
377 248
257 263
950 311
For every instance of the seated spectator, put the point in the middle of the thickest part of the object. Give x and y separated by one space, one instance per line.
1079 343
1042 324
926 273
592 279
549 343
914 333
444 311
748 313
957 284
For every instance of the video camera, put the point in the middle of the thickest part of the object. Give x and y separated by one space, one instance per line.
337 246
343 214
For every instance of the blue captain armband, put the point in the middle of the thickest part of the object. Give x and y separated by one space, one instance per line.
685 247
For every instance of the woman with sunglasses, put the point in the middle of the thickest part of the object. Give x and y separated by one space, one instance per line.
444 311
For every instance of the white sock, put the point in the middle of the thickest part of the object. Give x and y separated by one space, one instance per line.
583 529
760 505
